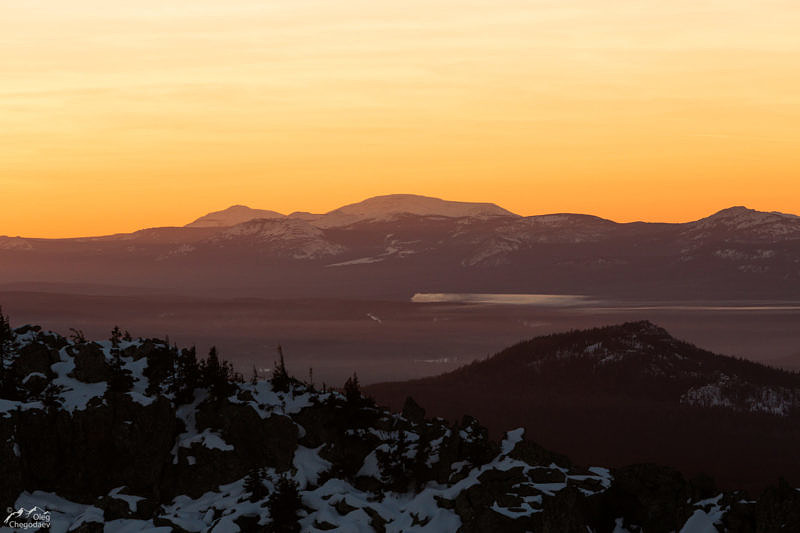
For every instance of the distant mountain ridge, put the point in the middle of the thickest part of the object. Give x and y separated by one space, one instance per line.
376 208
398 245
386 207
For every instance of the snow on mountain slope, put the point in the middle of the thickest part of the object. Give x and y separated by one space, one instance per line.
525 233
231 216
14 243
737 253
741 222
290 237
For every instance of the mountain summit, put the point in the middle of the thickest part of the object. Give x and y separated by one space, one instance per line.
235 214
751 223
391 205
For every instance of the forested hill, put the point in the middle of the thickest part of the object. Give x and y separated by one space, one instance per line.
629 393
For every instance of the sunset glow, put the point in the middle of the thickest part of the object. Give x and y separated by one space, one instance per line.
122 115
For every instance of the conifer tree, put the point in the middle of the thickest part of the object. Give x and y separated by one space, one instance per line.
7 387
121 380
116 336
6 333
280 380
187 375
217 376
208 368
254 484
352 390
284 507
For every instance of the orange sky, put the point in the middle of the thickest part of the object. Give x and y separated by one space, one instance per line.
122 115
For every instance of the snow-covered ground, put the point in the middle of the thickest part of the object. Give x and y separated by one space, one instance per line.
367 500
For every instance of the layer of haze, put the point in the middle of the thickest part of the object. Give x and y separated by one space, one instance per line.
122 115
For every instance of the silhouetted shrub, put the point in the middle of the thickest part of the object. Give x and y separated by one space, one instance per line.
77 336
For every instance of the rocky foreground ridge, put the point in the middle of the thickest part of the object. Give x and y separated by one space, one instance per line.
138 435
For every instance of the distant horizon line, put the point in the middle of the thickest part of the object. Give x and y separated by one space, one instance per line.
399 196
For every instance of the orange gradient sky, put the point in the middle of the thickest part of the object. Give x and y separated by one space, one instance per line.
122 115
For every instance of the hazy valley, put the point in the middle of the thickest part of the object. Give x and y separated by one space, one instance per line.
338 289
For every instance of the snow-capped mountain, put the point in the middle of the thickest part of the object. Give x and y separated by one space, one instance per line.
383 208
137 435
398 245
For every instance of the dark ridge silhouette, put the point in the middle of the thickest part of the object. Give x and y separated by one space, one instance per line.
629 393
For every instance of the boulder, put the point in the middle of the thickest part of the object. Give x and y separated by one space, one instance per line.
90 363
412 411
35 357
